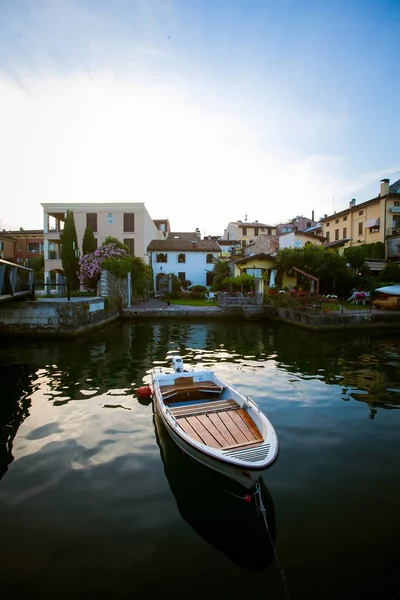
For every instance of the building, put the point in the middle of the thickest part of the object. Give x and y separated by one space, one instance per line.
22 245
376 220
296 224
299 240
129 222
186 255
245 233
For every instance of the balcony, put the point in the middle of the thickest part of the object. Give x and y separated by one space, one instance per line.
53 264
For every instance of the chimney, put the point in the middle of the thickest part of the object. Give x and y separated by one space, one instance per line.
352 203
384 187
312 215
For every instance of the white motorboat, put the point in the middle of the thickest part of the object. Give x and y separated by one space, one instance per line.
214 423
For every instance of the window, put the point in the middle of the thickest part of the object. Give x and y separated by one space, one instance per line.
129 221
1 245
19 247
327 236
269 230
345 218
182 277
336 221
161 258
256 231
181 258
91 221
131 245
110 218
396 203
33 248
244 230
360 228
19 259
327 224
374 229
209 277
361 212
344 232
308 224
336 234
210 258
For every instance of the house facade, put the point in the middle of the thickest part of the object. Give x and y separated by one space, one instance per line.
245 232
376 220
296 224
185 255
22 245
128 221
299 240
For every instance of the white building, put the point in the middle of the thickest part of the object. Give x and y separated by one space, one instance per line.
185 255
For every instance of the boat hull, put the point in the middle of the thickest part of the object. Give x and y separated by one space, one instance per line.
246 477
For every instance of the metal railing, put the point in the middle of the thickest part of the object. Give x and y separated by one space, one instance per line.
16 281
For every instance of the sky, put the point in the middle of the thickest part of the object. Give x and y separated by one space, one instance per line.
208 111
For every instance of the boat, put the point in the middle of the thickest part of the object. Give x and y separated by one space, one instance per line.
215 507
391 298
392 290
214 423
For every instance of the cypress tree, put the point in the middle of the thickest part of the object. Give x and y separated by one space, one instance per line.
89 243
69 251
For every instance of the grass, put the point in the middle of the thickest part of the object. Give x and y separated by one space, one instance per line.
189 302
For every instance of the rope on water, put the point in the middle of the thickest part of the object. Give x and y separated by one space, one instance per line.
264 514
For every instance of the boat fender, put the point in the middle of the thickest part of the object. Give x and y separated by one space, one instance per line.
144 391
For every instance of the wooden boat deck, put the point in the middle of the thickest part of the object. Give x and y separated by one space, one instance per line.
185 386
222 424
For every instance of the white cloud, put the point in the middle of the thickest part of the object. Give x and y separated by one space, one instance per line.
80 138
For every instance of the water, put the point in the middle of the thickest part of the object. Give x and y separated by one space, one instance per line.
96 502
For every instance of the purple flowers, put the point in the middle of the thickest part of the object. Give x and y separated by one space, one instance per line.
90 264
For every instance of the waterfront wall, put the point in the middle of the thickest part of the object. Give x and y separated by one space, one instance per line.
55 316
375 319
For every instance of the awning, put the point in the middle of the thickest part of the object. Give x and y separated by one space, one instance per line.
372 223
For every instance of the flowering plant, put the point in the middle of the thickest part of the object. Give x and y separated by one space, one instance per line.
90 265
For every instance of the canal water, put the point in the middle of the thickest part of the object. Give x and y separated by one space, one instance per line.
95 500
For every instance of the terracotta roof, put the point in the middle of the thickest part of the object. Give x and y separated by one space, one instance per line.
260 256
186 242
246 224
336 243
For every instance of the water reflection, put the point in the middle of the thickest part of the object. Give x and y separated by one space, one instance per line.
215 507
15 382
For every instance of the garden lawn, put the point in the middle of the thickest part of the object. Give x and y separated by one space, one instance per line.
189 302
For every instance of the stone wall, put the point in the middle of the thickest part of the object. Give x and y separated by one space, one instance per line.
112 287
55 316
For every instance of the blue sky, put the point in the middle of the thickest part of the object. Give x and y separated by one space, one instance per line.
206 110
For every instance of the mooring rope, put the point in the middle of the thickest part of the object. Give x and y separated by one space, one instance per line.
264 514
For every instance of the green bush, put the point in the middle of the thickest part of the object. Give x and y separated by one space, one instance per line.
196 295
119 267
198 288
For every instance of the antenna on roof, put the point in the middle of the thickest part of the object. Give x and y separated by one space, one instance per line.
245 218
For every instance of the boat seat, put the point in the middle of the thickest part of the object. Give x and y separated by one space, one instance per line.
185 386
204 408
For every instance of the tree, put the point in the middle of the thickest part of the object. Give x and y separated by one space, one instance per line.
390 273
69 251
89 243
221 271
326 264
356 256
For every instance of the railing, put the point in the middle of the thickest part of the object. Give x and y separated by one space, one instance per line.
238 299
16 281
